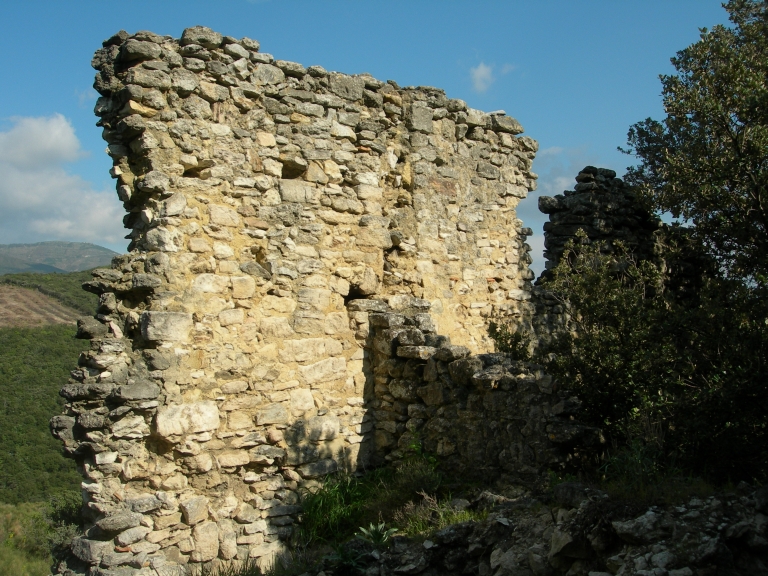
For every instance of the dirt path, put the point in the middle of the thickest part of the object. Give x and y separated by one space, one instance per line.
21 307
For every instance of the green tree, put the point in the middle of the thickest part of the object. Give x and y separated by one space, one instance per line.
707 161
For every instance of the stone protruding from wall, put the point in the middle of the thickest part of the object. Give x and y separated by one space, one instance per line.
226 371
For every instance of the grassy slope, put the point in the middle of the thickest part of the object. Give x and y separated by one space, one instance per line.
34 364
66 288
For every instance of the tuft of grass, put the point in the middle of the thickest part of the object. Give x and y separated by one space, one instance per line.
432 514
334 512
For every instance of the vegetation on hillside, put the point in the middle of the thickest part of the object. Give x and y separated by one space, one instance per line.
66 288
34 365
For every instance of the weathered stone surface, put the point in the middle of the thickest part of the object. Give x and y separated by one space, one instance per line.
206 538
166 326
119 522
194 510
180 419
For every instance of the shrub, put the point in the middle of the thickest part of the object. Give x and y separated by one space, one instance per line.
645 352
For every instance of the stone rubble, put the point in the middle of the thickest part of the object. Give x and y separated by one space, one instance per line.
582 532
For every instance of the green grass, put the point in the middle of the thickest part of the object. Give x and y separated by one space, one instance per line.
335 512
66 288
34 364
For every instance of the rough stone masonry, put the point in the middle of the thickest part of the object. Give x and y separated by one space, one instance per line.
298 238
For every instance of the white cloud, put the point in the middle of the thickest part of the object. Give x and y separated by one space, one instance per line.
507 68
482 77
39 199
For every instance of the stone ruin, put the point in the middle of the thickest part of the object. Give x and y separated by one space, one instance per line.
313 259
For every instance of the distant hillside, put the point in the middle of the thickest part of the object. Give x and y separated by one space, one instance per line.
46 257
64 287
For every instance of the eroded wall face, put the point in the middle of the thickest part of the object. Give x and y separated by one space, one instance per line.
227 369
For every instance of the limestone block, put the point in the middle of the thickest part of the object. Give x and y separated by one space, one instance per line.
420 118
163 240
231 316
174 205
336 322
319 468
309 349
301 400
198 245
165 326
315 298
211 283
297 191
267 74
119 522
341 131
223 216
324 370
206 538
322 428
132 535
276 327
190 418
237 420
90 551
375 237
194 510
222 251
264 139
347 87
234 387
243 287
232 458
276 413
130 427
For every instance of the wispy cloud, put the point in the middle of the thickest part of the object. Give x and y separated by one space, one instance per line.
482 77
85 98
39 199
507 68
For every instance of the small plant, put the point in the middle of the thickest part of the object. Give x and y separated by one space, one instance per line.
432 514
510 340
554 478
376 534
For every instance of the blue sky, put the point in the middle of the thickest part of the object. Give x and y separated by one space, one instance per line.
575 73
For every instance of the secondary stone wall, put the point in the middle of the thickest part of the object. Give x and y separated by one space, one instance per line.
607 210
231 360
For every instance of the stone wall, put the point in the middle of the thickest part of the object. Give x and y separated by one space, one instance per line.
607 210
271 209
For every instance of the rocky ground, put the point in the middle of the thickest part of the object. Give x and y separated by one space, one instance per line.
576 531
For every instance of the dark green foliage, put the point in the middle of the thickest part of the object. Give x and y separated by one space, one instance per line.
34 365
676 380
336 511
706 161
66 288
509 340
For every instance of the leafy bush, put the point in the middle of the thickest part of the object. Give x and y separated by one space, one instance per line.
678 377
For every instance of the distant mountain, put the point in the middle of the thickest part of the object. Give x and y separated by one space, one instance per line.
47 257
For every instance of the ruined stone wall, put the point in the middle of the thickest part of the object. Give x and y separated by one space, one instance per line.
269 207
607 210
